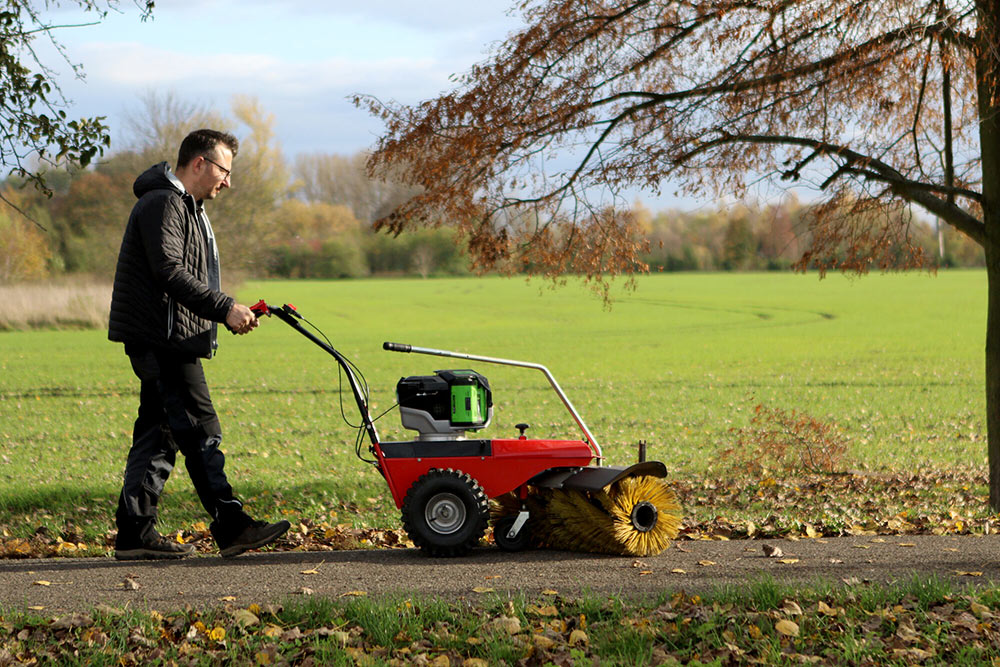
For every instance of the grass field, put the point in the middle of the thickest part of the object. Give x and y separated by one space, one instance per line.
895 360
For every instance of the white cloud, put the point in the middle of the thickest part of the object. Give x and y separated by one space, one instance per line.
129 65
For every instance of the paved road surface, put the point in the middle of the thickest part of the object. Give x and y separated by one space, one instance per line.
694 566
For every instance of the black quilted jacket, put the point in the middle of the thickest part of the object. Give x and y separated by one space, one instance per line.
161 295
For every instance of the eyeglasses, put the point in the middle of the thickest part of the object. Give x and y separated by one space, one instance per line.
226 171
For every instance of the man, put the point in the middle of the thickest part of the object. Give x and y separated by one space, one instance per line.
165 307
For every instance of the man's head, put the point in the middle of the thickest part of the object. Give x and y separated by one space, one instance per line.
204 162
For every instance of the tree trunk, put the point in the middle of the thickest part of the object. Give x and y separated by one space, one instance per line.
993 368
988 79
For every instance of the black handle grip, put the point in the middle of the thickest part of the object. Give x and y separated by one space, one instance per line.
396 347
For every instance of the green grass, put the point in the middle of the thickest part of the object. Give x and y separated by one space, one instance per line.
912 622
895 360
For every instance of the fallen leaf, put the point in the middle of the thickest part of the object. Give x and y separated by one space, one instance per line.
772 551
788 561
245 618
906 632
227 598
907 544
483 589
509 624
354 594
578 637
787 628
312 571
963 573
109 611
706 563
549 591
825 609
547 610
72 621
979 609
911 654
42 582
678 570
306 591
792 608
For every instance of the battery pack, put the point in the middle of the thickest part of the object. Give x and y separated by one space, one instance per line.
446 403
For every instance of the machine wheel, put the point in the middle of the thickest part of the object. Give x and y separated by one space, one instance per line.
500 529
445 512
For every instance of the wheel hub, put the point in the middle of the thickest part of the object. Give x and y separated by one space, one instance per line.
445 513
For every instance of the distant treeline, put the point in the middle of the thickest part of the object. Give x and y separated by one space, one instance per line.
773 238
312 218
300 238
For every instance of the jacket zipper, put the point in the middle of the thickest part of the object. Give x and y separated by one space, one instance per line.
170 318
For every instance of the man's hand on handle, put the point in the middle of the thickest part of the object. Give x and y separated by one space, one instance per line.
241 319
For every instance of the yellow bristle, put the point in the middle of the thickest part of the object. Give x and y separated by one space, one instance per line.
599 522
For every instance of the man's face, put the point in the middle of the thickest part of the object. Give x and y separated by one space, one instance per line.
212 172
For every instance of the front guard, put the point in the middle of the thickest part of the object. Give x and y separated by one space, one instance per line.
595 478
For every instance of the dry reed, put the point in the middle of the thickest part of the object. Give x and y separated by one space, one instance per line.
81 305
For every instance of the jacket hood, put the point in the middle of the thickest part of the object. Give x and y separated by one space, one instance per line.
157 177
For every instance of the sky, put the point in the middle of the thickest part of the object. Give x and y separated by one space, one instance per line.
302 59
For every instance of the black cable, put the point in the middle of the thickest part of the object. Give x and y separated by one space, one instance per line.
365 394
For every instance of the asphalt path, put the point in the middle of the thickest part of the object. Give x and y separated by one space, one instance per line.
57 585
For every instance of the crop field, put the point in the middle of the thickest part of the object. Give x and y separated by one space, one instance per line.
895 361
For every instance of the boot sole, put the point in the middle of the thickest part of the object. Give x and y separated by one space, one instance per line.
237 549
151 554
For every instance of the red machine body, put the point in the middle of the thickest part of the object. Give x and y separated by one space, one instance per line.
500 466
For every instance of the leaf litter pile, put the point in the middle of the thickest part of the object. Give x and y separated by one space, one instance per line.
716 506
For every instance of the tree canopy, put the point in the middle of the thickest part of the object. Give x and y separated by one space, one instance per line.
871 101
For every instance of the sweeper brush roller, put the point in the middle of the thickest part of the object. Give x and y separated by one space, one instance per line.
634 516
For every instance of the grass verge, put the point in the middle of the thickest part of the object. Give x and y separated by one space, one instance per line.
763 622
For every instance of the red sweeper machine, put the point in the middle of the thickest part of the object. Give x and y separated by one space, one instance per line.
536 493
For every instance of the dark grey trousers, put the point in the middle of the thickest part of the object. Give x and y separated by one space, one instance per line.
175 413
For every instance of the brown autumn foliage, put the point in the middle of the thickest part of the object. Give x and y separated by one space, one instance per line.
878 104
781 442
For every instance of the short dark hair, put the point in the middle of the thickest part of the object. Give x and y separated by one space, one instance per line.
204 142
